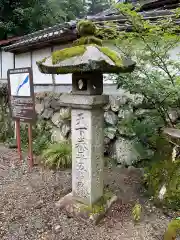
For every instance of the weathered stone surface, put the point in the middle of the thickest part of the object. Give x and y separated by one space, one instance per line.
47 114
82 63
106 144
55 104
124 152
65 129
106 140
47 102
116 102
80 211
107 107
137 100
110 118
39 107
57 135
56 119
110 132
65 113
125 113
88 155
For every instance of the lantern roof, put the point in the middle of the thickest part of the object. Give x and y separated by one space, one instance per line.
87 55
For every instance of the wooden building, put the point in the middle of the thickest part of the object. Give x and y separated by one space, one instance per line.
25 51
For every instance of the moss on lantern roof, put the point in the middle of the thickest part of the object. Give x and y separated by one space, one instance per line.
87 54
88 40
112 55
66 53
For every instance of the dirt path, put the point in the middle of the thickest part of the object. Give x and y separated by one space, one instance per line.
28 212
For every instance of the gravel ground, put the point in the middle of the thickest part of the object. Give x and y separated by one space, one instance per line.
28 212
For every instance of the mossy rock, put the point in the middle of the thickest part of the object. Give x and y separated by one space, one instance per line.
164 173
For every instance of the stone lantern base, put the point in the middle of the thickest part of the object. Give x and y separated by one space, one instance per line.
80 211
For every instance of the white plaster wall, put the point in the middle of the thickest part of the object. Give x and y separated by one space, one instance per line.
23 60
40 78
0 63
7 63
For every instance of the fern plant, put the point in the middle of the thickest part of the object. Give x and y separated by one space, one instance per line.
58 155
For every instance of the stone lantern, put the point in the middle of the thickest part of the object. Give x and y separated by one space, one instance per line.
87 60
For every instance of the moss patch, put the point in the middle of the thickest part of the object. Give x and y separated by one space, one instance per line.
165 173
112 55
100 206
88 40
173 230
86 28
66 53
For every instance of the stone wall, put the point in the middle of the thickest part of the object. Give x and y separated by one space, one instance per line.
119 142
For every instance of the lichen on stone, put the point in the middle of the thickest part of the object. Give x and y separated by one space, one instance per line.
66 53
112 55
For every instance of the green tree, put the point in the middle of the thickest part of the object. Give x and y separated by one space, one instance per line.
18 17
156 76
69 9
22 17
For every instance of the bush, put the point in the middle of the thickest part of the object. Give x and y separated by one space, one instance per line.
165 173
58 155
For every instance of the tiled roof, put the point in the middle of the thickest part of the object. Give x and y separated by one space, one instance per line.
8 41
67 31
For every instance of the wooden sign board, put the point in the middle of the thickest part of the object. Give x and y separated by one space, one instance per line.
21 94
